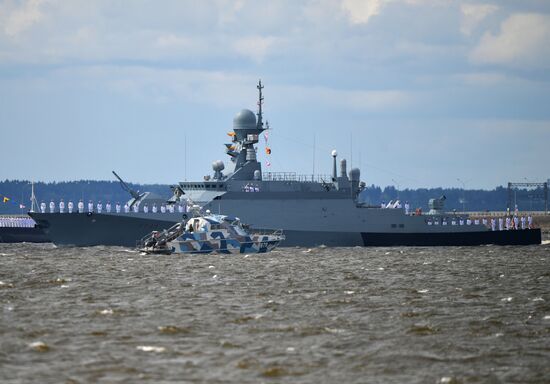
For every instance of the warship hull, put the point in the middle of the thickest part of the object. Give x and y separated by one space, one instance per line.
23 234
85 229
512 237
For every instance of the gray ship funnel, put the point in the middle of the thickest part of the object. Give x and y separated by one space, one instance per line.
343 166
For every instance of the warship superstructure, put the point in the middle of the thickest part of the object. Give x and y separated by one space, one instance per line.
312 211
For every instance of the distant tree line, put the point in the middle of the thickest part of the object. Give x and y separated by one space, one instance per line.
19 192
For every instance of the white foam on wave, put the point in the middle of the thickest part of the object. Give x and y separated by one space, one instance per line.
547 317
507 299
150 348
422 290
107 311
538 299
39 346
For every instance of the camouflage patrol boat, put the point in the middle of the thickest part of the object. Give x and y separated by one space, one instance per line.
207 234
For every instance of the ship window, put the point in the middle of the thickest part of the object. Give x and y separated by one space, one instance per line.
401 225
394 225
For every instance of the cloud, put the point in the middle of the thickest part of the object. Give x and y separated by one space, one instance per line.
23 17
254 47
360 11
522 43
473 15
361 100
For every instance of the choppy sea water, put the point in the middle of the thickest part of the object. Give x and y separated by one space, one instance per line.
322 315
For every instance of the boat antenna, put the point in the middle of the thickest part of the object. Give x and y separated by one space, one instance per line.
260 124
34 202
313 174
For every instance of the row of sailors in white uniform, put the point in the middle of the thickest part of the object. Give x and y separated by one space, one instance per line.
503 223
182 208
16 222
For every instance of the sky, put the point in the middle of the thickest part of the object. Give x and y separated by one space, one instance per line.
415 93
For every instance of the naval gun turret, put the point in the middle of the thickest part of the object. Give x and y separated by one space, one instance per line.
437 206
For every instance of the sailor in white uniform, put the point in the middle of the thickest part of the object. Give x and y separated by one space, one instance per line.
154 209
80 206
507 223
461 221
126 208
136 208
180 208
43 207
70 205
117 207
408 208
530 221
108 207
500 224
171 208
145 208
516 222
522 222
99 207
484 221
468 222
476 221
163 208
61 206
90 206
382 204
493 224
52 207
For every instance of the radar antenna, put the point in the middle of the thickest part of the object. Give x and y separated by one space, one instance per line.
260 124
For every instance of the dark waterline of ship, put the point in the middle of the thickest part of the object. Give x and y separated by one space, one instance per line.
349 315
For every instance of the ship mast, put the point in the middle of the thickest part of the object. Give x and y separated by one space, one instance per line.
260 123
34 202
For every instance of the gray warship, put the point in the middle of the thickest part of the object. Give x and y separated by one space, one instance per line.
312 211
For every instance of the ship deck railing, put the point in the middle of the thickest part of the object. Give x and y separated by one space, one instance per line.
264 232
292 176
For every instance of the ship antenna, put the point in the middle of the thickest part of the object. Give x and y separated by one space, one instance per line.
260 102
34 202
